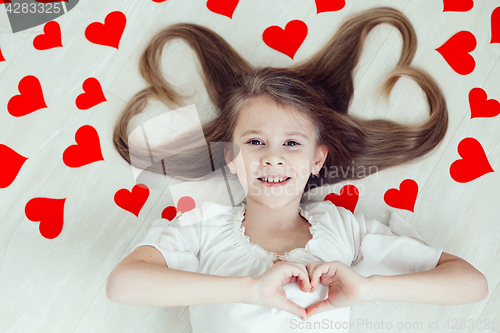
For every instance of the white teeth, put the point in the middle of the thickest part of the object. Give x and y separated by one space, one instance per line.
274 180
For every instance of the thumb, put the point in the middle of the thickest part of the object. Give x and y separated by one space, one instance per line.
294 308
317 308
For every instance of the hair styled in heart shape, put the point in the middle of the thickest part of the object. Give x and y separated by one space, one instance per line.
321 87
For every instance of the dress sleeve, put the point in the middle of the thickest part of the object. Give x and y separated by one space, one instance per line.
177 240
391 249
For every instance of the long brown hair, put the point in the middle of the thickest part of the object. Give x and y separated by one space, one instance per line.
321 87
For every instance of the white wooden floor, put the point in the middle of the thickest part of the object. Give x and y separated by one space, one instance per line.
58 285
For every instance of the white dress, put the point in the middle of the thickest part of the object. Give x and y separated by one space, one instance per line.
210 239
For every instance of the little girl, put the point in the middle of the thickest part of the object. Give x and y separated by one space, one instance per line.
265 265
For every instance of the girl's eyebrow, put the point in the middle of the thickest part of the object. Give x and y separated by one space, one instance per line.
287 133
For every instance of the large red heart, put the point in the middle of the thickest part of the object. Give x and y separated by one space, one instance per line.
286 41
223 7
405 197
30 100
50 213
87 149
10 165
456 52
480 106
110 32
348 197
473 164
329 5
457 5
50 38
132 201
495 26
92 96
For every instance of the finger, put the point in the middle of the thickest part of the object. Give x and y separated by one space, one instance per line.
317 273
302 276
311 266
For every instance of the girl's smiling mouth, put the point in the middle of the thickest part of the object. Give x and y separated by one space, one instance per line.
271 182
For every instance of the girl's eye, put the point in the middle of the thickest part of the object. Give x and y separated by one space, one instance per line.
253 140
295 143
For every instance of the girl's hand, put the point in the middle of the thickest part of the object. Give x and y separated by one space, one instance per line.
268 287
345 286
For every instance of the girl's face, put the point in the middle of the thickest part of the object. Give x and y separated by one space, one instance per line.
274 142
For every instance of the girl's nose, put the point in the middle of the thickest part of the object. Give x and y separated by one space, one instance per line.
271 157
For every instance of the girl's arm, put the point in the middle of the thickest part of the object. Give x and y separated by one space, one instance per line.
143 278
453 281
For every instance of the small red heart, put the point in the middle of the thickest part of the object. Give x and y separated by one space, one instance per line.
348 197
132 201
92 96
329 5
405 197
185 204
286 41
473 164
456 52
50 213
30 99
1 56
11 163
50 38
457 5
222 7
5 1
110 32
480 106
495 26
87 149
169 213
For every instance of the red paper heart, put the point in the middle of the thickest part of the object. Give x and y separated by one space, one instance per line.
110 32
473 164
50 213
50 38
222 7
348 197
92 96
329 5
1 56
286 41
169 213
480 106
456 52
495 26
30 100
132 201
87 149
185 204
405 197
457 5
10 165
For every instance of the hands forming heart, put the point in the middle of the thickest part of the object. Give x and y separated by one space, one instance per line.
345 286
